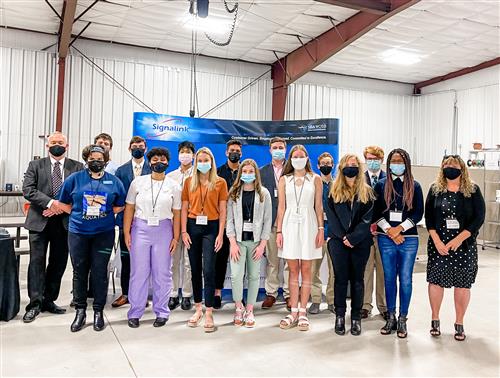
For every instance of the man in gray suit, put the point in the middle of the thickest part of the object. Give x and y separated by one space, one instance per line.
47 224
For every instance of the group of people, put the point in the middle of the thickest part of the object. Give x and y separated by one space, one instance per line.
177 231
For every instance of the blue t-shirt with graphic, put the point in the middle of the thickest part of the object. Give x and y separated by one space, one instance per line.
92 201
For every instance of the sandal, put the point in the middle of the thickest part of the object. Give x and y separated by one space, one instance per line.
303 322
238 316
435 328
249 319
402 330
195 320
459 332
209 325
290 320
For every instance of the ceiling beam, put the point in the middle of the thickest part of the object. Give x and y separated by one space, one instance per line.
307 57
371 6
67 27
454 74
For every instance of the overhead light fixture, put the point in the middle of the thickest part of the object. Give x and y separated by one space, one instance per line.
210 25
396 56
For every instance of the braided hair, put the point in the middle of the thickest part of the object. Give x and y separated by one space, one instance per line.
408 181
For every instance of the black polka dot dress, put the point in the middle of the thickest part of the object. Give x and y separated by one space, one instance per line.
459 268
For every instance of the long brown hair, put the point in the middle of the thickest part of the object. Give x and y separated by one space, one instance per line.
235 190
340 190
289 169
408 181
467 186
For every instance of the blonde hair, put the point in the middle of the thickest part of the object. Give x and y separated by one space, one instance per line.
289 169
212 174
374 150
467 186
340 190
235 190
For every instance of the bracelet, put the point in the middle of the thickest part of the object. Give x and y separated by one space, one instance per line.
184 232
321 228
177 241
279 232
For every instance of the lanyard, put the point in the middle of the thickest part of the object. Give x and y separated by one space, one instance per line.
96 190
276 178
203 199
249 207
153 201
297 201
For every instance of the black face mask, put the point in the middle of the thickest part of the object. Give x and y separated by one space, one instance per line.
159 167
451 173
137 153
326 169
350 171
96 166
234 157
57 150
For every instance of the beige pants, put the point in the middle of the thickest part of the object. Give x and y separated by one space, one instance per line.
317 285
374 263
272 283
181 259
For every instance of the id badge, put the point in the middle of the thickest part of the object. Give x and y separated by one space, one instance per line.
296 218
324 217
153 221
275 193
396 216
93 211
247 227
452 224
202 220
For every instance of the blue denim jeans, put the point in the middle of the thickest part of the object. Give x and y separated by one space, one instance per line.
398 261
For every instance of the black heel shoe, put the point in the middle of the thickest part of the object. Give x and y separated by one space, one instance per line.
79 321
402 329
98 321
355 327
390 324
459 332
435 328
340 325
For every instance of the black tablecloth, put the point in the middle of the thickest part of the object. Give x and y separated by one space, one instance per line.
9 278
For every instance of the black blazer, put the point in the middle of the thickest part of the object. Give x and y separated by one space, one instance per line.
269 182
354 223
37 189
470 212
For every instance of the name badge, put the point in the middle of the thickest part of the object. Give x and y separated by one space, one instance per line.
247 227
108 182
396 216
324 216
296 218
93 211
153 221
202 220
452 224
275 193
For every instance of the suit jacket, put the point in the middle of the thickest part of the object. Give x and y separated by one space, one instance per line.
37 189
368 177
269 182
126 175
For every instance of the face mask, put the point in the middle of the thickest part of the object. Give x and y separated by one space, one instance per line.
234 157
326 169
204 167
299 163
350 172
57 150
451 173
397 169
159 167
96 166
373 165
137 153
248 178
278 154
185 158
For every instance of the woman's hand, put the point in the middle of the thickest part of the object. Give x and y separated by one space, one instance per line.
234 251
218 243
399 239
320 238
186 240
454 243
258 252
347 243
279 240
394 231
441 247
128 241
173 246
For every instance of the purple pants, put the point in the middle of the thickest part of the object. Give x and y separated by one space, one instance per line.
150 257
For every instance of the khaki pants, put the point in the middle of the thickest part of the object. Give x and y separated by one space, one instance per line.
317 285
374 263
181 259
272 283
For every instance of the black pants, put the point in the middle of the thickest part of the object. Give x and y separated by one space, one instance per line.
125 259
90 254
222 258
44 280
349 267
202 258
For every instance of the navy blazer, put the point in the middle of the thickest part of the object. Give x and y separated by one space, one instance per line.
368 177
126 175
269 182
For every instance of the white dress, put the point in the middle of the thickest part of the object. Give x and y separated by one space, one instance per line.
300 225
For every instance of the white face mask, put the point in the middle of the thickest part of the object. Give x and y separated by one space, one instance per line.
185 158
299 163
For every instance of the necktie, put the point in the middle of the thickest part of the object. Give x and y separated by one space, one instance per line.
374 180
137 170
56 178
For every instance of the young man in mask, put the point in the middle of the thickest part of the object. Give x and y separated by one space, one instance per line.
105 141
136 166
228 171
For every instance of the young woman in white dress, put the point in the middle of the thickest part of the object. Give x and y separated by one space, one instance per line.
300 231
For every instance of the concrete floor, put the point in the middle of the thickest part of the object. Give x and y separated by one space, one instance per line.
46 347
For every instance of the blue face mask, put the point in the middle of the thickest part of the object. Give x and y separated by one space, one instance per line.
373 165
397 169
204 167
248 178
278 154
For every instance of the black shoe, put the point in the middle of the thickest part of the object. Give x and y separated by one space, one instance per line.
173 303
385 315
133 323
340 325
402 329
390 325
186 304
31 314
98 321
53 308
79 321
365 314
355 327
160 322
217 302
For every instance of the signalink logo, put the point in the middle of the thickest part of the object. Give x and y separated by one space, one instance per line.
169 125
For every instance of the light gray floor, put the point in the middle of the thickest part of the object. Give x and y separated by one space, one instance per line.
47 347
